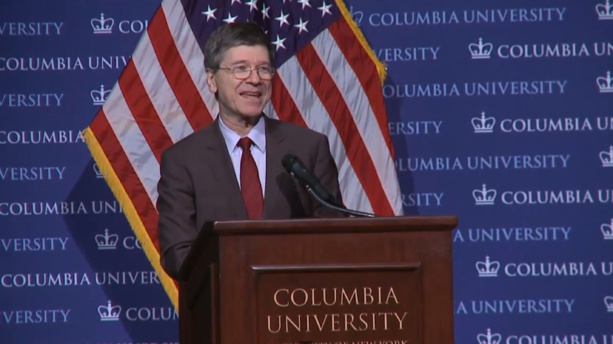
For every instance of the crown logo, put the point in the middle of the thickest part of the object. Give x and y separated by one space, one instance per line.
487 268
484 196
605 83
483 124
99 96
607 230
102 26
607 157
97 171
356 15
608 301
489 337
480 50
106 241
605 11
109 312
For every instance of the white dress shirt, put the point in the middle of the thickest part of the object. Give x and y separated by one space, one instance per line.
258 149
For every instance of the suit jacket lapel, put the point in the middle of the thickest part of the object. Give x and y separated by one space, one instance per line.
274 140
223 172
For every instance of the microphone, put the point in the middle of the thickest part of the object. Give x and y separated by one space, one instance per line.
296 168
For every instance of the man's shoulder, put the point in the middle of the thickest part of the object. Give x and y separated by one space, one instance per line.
194 141
294 131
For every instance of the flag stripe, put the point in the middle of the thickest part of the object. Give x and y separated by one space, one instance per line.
143 112
269 109
177 75
365 71
159 92
133 142
366 65
362 114
123 168
339 112
303 97
190 52
286 110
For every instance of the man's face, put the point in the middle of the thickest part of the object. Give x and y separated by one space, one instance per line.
241 99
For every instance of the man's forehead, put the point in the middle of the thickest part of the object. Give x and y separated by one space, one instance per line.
247 53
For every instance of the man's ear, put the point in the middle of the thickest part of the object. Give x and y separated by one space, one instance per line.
210 81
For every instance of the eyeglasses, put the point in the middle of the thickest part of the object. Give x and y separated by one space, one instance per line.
244 72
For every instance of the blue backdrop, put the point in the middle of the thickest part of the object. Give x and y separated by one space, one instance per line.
500 112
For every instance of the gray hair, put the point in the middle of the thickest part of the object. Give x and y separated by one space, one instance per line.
233 35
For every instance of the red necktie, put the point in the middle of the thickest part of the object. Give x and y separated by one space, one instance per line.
250 181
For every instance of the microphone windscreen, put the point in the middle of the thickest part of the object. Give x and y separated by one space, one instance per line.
288 162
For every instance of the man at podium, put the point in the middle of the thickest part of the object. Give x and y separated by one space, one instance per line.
231 170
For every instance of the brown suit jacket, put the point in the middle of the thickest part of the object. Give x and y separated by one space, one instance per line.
198 184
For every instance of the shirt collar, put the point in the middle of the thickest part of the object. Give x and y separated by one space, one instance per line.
257 135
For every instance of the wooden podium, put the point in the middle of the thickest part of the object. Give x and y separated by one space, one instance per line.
346 280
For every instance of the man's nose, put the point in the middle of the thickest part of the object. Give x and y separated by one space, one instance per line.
254 77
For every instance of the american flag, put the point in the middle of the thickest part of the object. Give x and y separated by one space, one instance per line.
328 79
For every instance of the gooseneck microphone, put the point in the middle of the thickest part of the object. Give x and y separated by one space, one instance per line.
296 168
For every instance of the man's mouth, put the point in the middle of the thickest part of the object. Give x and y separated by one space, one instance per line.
251 94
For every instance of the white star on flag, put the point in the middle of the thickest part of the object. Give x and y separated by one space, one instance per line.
210 13
304 3
282 18
278 43
265 11
230 19
252 5
325 9
301 26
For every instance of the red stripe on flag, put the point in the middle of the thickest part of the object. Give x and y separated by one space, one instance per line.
335 105
142 110
366 72
176 73
122 167
283 103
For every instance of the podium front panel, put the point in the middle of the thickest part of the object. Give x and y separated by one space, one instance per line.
336 304
416 264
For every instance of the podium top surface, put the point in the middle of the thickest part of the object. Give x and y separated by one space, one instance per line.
336 225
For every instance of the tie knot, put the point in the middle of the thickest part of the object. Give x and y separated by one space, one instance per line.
245 143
